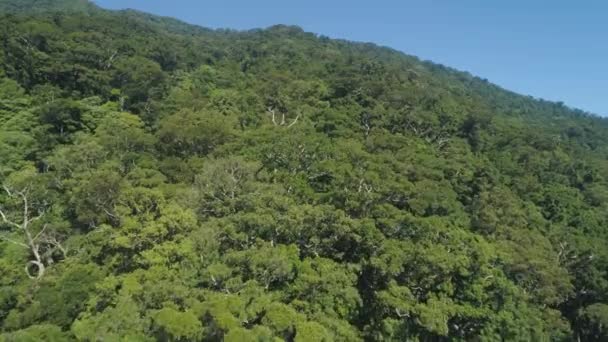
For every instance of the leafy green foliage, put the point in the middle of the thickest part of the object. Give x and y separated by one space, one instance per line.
186 184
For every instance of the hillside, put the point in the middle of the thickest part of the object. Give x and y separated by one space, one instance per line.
168 182
41 6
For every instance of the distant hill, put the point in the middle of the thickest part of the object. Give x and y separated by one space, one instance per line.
34 6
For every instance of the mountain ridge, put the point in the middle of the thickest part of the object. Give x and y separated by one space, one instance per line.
182 27
40 6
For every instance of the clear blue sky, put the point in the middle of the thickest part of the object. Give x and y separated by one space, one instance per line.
552 49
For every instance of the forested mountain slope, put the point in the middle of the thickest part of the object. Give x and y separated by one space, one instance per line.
169 182
37 6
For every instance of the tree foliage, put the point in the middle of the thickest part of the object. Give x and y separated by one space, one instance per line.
167 182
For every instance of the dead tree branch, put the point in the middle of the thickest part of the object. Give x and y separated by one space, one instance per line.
34 243
273 116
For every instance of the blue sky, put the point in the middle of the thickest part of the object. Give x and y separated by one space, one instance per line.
552 49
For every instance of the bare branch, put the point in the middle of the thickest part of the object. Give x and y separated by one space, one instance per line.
39 265
294 121
401 315
38 217
271 111
40 232
111 60
109 213
25 209
52 240
7 221
44 246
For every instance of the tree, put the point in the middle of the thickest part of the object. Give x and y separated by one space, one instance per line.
594 322
34 333
38 240
177 326
189 133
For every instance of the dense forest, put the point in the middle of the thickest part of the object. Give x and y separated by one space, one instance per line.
167 182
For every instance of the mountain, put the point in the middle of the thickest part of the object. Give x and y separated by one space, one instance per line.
38 6
163 181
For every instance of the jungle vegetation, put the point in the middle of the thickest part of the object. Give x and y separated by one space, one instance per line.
163 181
